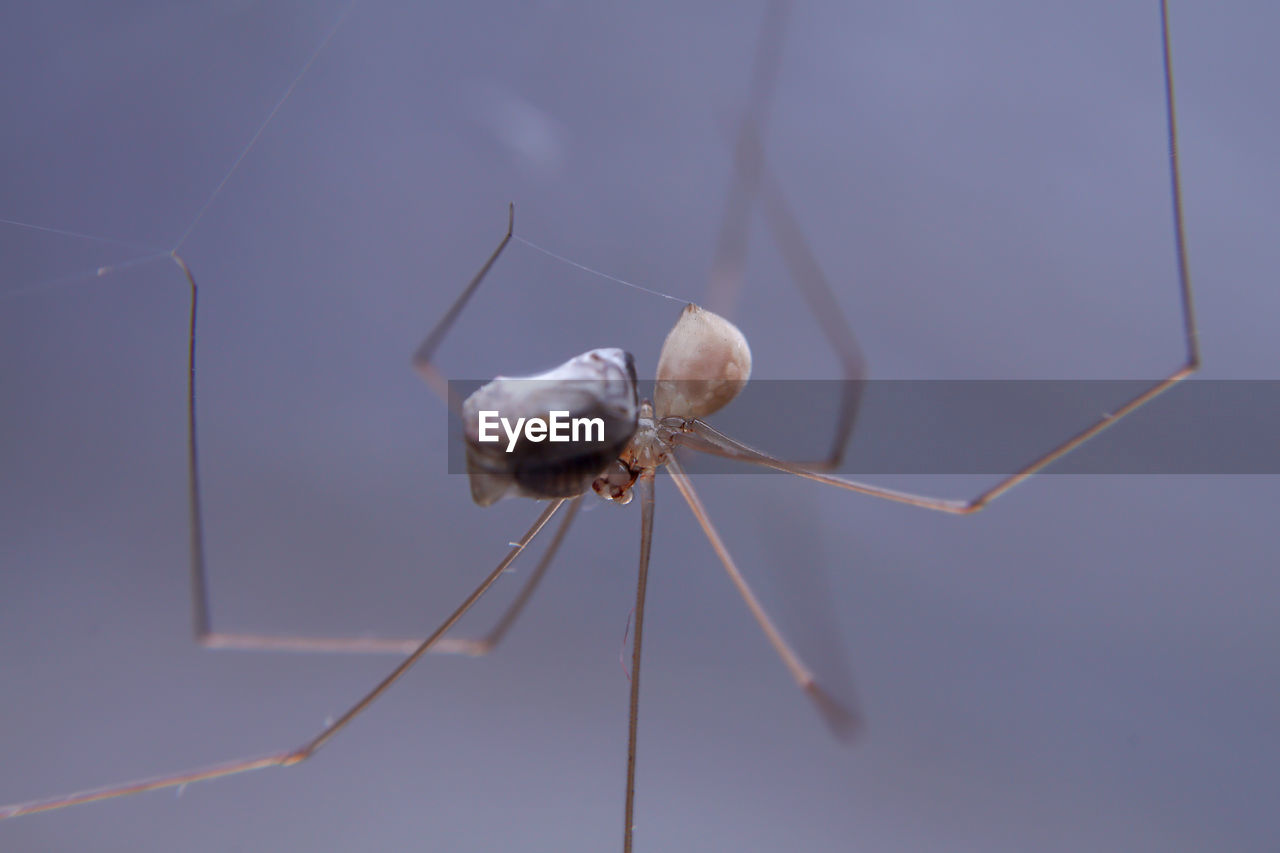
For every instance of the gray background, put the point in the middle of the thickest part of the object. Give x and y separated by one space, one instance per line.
1090 663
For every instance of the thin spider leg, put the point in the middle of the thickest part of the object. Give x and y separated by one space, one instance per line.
487 643
247 641
645 486
422 356
701 436
812 283
200 619
731 247
289 757
705 438
474 646
842 721
751 176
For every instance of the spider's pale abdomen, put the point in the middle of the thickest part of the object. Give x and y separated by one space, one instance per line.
704 363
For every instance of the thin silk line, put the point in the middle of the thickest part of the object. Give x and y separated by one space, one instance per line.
337 24
586 268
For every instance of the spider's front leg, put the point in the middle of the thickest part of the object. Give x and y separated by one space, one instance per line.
210 638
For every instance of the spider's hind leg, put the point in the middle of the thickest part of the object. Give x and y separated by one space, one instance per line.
751 178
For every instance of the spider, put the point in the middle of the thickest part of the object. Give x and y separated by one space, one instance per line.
661 427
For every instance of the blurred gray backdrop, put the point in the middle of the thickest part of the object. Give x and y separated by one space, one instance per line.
1088 664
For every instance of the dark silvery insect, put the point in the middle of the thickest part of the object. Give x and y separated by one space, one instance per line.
598 387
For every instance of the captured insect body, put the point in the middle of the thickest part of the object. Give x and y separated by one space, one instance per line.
595 395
